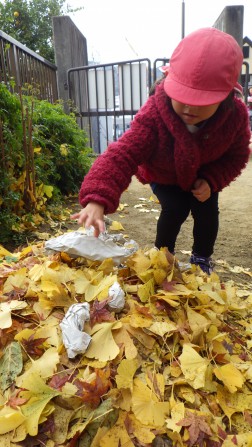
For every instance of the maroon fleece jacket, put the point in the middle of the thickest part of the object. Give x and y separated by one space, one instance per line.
159 148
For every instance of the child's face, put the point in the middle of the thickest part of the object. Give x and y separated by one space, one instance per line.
193 114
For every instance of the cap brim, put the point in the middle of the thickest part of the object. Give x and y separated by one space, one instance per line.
191 96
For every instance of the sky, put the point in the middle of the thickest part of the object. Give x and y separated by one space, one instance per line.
119 30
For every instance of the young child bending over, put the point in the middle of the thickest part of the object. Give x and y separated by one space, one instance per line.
188 141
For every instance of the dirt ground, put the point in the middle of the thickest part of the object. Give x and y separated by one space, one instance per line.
234 243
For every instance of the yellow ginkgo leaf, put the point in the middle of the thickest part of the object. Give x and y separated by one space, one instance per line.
5 312
38 395
58 274
241 440
4 252
117 435
123 338
44 367
146 340
10 419
146 406
197 322
100 290
177 413
231 377
233 403
116 226
159 275
139 262
216 295
158 259
145 291
125 373
62 417
140 320
16 280
157 382
144 434
162 327
120 207
187 393
172 300
81 282
56 295
193 366
103 346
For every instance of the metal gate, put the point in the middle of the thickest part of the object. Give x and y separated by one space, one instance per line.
105 98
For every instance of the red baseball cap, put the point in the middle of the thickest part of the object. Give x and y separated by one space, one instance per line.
204 68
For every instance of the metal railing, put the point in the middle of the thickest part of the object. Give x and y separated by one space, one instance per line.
20 66
107 97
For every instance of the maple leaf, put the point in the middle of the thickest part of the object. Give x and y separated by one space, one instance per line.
198 428
234 440
33 345
100 313
57 381
248 417
169 285
220 358
15 294
163 306
222 434
91 392
14 401
144 311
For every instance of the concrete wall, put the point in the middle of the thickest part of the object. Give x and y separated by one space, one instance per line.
70 51
231 21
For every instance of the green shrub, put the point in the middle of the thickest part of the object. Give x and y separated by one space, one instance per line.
64 158
43 137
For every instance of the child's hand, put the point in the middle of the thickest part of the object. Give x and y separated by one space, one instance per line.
201 190
92 214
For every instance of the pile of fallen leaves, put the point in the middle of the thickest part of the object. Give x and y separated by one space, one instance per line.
173 368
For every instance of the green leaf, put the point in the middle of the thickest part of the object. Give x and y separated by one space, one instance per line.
11 365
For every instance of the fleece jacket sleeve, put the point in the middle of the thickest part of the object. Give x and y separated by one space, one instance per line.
112 171
221 172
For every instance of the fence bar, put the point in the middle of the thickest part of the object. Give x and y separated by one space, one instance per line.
20 66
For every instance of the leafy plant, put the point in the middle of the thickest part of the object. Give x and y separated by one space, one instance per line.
64 157
44 156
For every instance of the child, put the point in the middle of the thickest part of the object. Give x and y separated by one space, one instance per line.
250 110
188 141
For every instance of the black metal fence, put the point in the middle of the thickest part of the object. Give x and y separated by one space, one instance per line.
106 97
20 66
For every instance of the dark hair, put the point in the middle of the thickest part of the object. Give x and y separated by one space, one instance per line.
228 103
153 86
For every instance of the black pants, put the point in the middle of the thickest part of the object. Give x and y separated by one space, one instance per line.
176 205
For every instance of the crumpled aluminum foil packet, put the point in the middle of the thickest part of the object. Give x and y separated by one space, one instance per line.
75 340
78 243
117 298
